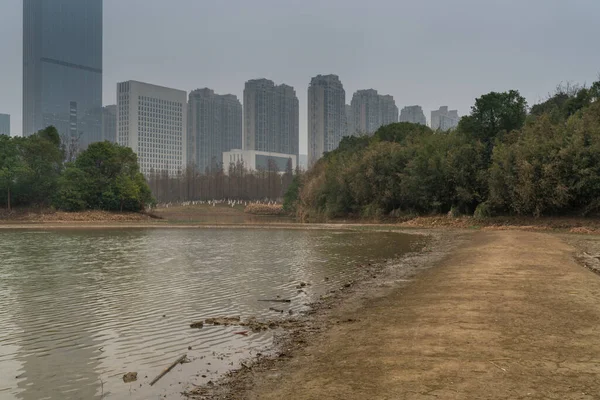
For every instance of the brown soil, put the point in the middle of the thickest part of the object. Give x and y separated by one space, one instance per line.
507 315
569 224
50 216
264 209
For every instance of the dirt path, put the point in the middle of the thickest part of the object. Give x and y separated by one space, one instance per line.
510 315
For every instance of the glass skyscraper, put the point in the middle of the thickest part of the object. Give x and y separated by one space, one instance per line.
62 68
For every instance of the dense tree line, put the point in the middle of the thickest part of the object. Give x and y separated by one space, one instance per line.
42 171
501 159
238 183
34 173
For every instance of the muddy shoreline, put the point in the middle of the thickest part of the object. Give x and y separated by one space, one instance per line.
377 281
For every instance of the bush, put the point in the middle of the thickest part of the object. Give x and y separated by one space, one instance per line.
454 212
482 211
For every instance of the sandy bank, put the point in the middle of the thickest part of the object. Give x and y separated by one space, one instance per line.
506 315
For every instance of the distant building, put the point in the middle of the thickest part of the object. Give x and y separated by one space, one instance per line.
62 68
214 126
5 124
303 161
413 114
109 123
326 115
388 109
443 119
350 131
152 121
371 110
271 117
259 160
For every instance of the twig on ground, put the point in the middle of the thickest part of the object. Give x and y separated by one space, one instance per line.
170 367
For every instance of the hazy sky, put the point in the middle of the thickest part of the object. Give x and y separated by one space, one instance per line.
426 52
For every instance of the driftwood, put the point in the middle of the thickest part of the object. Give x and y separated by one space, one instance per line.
277 300
170 367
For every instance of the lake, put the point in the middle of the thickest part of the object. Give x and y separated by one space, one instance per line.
80 308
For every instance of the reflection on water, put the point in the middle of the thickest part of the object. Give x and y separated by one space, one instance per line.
78 309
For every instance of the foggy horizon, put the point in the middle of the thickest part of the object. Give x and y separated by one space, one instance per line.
419 53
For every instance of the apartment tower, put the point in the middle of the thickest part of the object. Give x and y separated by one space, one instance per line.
413 114
326 115
271 117
214 127
370 111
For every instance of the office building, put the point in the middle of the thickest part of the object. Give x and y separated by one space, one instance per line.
443 119
109 123
152 121
271 117
62 68
5 124
260 160
326 115
371 110
413 114
214 126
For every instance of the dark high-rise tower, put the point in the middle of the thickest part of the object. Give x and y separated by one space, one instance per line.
214 124
62 68
271 117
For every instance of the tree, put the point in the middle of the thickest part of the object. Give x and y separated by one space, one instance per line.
494 114
71 192
105 176
127 190
12 167
290 199
44 158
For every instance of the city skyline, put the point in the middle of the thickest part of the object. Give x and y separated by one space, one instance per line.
224 64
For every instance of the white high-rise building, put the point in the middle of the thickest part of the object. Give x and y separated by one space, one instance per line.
326 115
443 119
413 114
152 121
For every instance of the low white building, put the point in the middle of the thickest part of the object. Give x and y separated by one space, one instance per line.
152 120
259 160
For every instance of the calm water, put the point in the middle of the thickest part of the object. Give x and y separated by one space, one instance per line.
78 309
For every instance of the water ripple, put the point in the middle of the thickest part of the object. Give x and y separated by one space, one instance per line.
80 308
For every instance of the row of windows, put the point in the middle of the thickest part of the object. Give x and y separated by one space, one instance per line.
155 123
154 100
158 112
